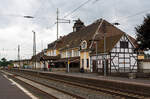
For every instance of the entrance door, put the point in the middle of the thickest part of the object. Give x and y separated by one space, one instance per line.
106 67
94 66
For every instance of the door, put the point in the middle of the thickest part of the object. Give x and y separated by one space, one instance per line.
94 66
106 66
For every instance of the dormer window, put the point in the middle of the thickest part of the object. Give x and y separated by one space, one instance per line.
74 29
83 44
123 44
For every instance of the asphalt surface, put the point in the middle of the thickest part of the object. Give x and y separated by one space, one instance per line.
10 91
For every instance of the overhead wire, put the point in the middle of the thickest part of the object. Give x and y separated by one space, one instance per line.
133 15
74 10
115 10
81 5
124 19
53 5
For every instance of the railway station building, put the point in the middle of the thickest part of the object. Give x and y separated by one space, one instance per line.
88 46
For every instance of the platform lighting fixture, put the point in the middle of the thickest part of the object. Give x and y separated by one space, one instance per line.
29 17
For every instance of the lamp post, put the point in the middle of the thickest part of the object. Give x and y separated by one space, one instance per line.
104 54
28 17
34 48
96 52
19 56
68 62
34 45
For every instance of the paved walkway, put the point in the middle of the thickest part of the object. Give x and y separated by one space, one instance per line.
10 91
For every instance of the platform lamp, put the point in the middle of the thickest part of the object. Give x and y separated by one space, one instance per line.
68 62
96 50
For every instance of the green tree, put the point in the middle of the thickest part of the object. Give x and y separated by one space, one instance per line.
143 34
4 62
0 63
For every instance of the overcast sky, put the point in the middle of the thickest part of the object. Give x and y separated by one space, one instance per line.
16 30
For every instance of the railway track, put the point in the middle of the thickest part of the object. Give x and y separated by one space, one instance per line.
74 91
50 92
117 93
35 91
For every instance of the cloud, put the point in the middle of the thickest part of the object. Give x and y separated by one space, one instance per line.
15 29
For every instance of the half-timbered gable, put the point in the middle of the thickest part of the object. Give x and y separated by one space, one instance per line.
123 56
120 55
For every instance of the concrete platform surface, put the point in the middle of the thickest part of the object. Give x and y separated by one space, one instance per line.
9 90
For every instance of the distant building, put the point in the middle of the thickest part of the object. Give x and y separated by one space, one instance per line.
24 63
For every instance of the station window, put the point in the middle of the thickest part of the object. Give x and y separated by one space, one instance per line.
123 44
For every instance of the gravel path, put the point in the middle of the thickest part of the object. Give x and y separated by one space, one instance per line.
83 92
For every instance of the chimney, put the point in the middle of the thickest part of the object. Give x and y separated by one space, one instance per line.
78 25
61 37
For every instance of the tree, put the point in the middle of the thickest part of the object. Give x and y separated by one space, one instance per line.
143 34
4 62
147 55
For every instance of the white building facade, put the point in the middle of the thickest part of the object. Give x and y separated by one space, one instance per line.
121 58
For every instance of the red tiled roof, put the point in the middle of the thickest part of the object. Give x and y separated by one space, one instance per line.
50 57
71 59
74 39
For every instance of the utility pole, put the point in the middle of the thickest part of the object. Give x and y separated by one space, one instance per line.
105 54
96 40
96 56
58 20
19 55
34 48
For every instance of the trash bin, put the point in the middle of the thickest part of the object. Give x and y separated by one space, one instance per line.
82 70
132 75
45 69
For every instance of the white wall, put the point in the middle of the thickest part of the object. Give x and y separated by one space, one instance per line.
144 65
124 57
99 61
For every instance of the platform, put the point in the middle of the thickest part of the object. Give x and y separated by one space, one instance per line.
9 90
